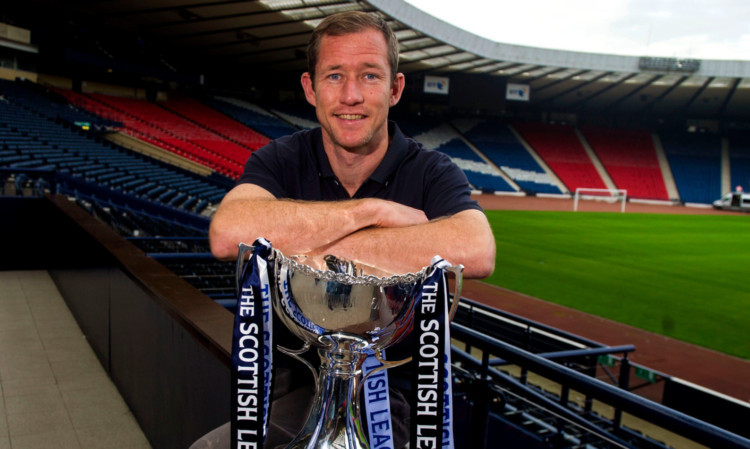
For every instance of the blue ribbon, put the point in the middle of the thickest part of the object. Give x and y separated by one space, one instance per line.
377 404
431 407
252 361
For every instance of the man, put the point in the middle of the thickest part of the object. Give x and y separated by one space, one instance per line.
352 81
355 187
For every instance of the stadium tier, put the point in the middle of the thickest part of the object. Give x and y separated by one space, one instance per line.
178 129
444 138
695 160
630 159
300 115
216 122
32 141
501 146
251 115
165 129
479 173
563 152
38 98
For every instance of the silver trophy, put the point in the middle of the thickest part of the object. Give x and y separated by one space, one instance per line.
345 311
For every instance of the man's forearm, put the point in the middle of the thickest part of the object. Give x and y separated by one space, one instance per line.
293 227
297 227
465 239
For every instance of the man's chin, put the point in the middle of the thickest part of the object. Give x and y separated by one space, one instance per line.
353 144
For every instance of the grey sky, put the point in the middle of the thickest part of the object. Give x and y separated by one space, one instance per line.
703 29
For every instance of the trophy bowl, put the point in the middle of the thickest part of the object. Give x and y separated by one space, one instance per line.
348 299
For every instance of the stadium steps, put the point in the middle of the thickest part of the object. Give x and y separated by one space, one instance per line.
563 153
446 139
252 116
500 146
164 129
156 152
631 160
39 143
215 121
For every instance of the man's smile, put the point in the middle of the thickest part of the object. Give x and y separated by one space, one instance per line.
350 116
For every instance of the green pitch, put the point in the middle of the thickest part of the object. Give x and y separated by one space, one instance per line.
684 276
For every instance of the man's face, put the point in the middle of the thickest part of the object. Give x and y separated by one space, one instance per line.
352 91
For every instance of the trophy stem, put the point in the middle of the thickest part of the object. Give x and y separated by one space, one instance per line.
334 420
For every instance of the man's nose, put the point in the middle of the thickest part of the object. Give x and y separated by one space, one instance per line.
351 92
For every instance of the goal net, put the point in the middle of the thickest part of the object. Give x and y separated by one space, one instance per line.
605 199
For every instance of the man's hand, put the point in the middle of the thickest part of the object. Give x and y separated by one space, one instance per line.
394 215
464 238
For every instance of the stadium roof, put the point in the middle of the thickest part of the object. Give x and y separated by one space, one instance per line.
248 35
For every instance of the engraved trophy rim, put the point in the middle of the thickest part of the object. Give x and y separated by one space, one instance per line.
348 278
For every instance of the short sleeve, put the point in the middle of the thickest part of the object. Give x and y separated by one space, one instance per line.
265 168
446 189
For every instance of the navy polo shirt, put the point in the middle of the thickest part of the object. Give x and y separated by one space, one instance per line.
296 167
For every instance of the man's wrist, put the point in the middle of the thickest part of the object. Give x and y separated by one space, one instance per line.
364 213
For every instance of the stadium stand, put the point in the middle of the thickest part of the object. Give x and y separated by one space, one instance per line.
695 160
444 138
563 152
251 115
216 122
298 114
163 128
33 141
630 159
163 235
479 173
38 98
499 144
103 179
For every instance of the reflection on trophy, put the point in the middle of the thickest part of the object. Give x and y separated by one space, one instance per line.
345 310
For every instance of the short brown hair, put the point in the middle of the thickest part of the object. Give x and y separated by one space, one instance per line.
346 23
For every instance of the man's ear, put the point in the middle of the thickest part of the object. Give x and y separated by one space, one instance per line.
397 88
308 88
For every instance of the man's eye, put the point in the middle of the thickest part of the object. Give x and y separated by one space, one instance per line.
334 77
371 76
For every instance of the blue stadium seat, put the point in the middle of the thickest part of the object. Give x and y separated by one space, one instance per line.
504 149
695 160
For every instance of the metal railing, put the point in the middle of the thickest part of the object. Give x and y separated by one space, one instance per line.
619 399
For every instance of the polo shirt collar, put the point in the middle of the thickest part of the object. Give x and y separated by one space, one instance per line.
396 153
324 165
397 150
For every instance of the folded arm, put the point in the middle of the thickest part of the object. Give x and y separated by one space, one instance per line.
381 233
464 238
297 227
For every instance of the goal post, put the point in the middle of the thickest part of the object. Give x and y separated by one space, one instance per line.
608 195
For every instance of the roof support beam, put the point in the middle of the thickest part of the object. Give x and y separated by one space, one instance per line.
723 108
698 93
574 88
582 103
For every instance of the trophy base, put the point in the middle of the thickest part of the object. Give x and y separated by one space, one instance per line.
334 421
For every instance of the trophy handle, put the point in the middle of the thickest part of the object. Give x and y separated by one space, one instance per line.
457 271
296 354
242 255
